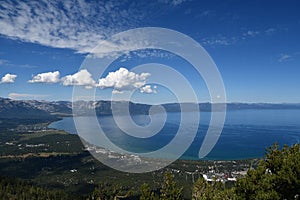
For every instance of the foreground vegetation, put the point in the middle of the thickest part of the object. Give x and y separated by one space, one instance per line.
17 189
276 177
39 163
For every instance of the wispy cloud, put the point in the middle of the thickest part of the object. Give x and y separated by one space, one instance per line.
218 41
222 40
8 78
147 53
20 96
173 2
3 62
177 2
47 77
284 57
270 31
7 63
78 25
202 14
121 46
251 33
207 13
65 24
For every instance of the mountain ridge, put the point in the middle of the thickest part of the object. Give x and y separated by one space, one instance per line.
32 109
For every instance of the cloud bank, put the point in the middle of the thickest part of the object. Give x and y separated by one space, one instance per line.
120 80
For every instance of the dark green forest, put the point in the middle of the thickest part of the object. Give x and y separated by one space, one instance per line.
275 177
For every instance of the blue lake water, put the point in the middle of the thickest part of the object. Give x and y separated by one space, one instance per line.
246 133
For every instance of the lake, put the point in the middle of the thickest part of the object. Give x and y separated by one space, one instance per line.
246 133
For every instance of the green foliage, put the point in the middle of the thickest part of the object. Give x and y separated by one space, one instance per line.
170 190
16 189
210 191
106 191
277 177
146 193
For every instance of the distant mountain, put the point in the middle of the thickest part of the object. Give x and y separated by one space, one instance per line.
32 109
104 107
55 107
11 109
262 106
206 107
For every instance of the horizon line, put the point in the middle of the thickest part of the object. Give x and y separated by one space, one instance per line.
230 102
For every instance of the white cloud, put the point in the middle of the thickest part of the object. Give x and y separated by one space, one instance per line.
123 80
148 89
48 77
78 24
26 96
284 57
8 78
120 80
81 78
64 24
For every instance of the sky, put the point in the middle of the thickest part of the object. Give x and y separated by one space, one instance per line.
44 45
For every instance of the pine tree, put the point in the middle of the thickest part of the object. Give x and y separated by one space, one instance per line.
277 177
203 190
170 190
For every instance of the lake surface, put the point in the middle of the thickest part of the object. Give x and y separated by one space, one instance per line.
246 133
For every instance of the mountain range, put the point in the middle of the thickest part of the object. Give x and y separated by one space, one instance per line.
33 109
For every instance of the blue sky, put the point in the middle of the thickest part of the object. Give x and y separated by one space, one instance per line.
255 45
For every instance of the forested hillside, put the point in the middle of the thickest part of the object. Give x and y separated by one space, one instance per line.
276 177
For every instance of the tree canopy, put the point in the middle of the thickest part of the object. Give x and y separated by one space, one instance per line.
276 177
